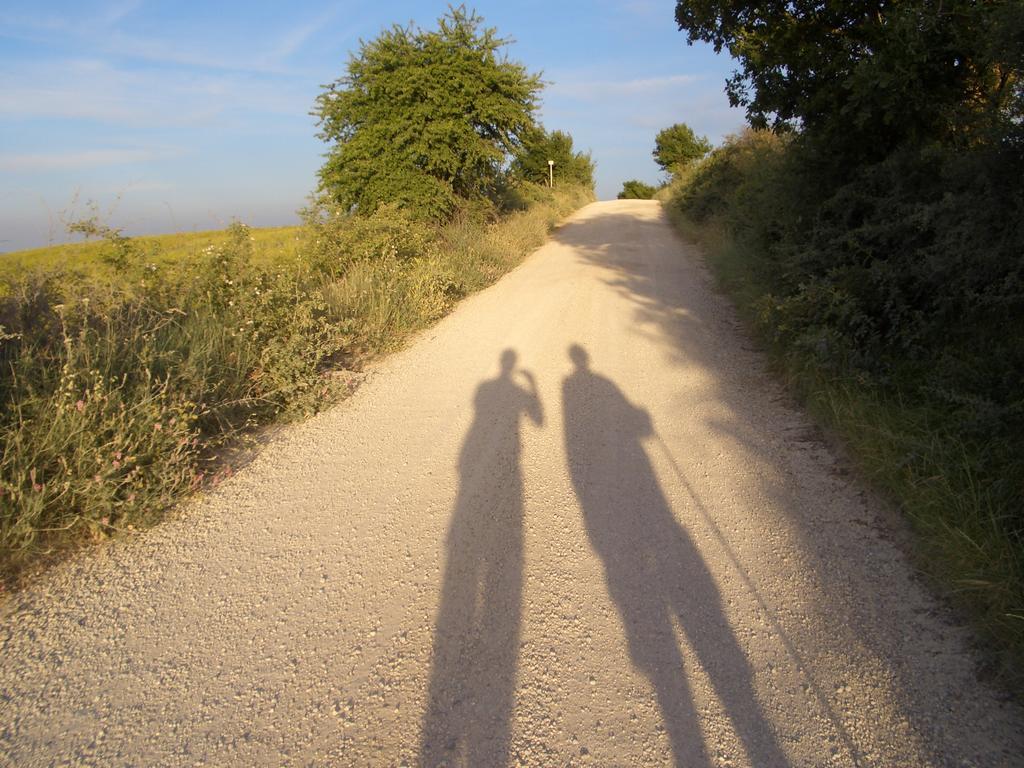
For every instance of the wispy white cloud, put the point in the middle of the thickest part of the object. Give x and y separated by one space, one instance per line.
644 8
95 90
103 34
87 26
150 186
115 12
19 25
158 51
294 39
63 161
588 90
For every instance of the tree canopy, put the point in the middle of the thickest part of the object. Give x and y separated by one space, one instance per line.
871 74
677 146
539 146
424 118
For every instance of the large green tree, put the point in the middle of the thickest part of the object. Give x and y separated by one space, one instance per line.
677 146
539 146
424 118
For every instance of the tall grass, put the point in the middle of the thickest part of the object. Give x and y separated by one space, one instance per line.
120 382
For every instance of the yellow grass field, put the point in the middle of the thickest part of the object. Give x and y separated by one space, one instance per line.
269 244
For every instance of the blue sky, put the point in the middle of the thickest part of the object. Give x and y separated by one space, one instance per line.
177 116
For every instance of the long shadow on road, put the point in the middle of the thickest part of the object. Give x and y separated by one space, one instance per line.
654 571
689 328
476 638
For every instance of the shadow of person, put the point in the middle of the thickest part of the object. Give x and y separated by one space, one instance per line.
476 638
654 572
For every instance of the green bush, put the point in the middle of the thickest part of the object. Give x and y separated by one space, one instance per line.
335 239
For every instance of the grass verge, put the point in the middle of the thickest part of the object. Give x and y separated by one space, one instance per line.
909 447
127 365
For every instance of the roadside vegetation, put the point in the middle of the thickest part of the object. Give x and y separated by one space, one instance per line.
269 244
872 229
126 364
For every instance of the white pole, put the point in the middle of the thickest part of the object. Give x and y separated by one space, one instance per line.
551 173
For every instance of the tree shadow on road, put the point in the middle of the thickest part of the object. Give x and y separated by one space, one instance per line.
654 571
476 638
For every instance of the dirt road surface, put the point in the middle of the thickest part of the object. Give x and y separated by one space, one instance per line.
575 524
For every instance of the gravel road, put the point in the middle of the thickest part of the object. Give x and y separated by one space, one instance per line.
574 524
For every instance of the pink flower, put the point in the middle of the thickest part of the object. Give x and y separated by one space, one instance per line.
80 405
117 464
158 426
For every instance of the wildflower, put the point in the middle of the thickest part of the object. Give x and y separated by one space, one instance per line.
97 479
158 426
80 405
116 464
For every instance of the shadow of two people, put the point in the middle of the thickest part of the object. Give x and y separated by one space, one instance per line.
654 573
